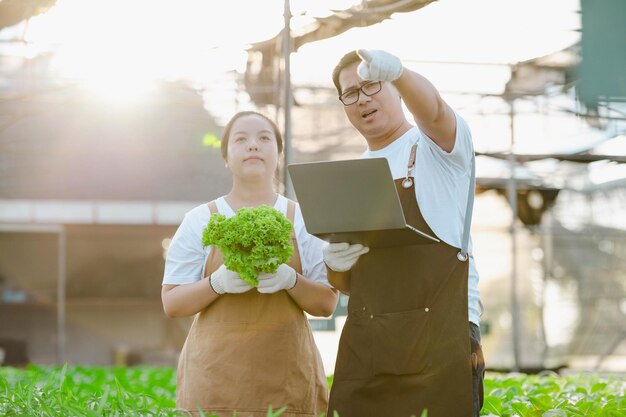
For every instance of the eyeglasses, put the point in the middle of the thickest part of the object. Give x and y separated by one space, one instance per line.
352 96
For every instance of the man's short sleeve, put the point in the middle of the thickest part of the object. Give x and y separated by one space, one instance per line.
461 155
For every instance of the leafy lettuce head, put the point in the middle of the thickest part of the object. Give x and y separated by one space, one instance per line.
256 239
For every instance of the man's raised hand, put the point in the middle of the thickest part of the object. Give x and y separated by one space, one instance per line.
379 65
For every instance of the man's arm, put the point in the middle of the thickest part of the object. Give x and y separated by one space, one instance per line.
432 114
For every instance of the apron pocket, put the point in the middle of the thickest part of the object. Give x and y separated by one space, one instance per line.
400 342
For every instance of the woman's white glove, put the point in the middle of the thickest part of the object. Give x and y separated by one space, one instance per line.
285 278
379 65
226 281
340 257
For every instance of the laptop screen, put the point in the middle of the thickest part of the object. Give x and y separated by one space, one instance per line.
347 196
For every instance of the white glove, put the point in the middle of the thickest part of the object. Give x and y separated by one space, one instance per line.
340 257
226 281
284 278
379 65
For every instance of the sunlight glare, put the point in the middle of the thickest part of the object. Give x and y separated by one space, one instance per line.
118 48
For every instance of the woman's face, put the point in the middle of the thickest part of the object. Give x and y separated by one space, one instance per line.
252 148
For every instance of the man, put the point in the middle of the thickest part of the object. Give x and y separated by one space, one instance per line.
405 345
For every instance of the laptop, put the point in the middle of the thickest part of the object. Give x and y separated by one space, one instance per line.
353 201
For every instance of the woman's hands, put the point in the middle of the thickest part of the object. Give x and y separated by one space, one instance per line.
226 281
285 278
316 299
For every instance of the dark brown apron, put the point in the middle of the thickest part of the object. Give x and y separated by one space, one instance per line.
405 345
248 351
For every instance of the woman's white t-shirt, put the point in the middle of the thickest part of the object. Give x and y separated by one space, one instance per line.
186 257
441 187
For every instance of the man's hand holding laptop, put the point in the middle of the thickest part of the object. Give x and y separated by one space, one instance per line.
341 257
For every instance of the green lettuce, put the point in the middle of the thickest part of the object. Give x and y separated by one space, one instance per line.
256 239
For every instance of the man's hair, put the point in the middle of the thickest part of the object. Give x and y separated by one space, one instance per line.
348 59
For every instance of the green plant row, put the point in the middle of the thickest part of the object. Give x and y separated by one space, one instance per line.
551 395
79 391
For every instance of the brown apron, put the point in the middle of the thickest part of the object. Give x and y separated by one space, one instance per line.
405 345
248 351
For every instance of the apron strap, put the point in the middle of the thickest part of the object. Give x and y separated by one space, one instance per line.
411 165
215 258
407 182
463 254
291 214
296 260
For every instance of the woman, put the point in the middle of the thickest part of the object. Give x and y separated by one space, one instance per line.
248 348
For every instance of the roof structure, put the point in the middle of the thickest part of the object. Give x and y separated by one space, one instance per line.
263 66
14 11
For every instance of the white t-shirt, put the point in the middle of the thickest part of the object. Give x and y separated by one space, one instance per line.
186 257
441 186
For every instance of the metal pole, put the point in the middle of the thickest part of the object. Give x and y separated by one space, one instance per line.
288 149
512 195
61 282
547 229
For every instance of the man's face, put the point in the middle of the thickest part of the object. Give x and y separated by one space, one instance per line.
374 116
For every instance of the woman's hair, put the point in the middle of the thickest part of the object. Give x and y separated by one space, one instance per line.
348 59
231 122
